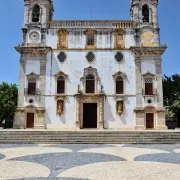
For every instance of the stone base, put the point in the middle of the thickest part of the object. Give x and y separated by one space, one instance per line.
140 127
164 127
39 127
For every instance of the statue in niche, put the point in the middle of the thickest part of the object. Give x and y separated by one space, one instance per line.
120 107
60 107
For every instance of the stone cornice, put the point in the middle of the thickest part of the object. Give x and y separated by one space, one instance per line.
148 50
36 51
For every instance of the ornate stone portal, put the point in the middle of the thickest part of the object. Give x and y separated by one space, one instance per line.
80 100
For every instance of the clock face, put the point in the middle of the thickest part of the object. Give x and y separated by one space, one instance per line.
34 36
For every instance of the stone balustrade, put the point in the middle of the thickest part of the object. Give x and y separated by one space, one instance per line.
92 24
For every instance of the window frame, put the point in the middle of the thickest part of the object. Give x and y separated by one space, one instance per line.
119 43
92 33
90 81
63 36
28 78
122 81
58 84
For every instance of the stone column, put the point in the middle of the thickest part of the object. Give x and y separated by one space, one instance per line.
161 123
26 14
42 81
78 104
140 120
155 13
101 113
19 120
138 84
140 123
40 123
21 83
159 81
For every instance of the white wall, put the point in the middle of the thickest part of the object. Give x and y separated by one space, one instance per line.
106 66
105 39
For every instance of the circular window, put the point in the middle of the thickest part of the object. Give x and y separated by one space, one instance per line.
31 101
90 57
149 101
62 57
119 57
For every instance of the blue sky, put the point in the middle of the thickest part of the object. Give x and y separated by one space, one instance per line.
12 14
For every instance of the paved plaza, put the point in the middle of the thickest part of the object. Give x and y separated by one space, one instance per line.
88 162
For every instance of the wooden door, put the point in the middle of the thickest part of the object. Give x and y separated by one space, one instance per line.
90 115
150 120
30 120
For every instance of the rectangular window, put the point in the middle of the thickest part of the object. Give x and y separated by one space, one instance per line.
62 41
60 87
90 40
31 88
148 89
119 87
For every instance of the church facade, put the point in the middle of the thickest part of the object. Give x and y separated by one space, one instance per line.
90 74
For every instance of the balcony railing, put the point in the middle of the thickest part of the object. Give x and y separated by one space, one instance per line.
153 93
92 24
37 92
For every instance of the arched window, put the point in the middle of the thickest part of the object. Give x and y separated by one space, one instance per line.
90 84
119 85
36 13
148 86
32 86
145 13
60 85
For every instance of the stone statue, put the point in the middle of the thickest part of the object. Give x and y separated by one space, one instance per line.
120 107
60 108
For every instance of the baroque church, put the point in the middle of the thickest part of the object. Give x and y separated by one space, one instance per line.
100 74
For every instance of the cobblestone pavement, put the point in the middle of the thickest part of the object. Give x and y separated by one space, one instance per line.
90 162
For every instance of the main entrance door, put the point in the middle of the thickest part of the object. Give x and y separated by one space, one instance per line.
30 120
90 115
149 120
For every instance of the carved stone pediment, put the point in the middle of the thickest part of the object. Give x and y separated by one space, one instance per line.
148 74
60 74
62 32
90 31
119 73
119 31
90 70
32 75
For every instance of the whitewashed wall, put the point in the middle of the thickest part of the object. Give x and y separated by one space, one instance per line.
77 40
74 67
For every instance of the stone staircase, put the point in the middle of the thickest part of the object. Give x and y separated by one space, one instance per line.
88 137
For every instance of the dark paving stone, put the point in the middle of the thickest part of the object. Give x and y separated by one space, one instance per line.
4 146
59 162
50 179
79 147
163 147
2 156
173 158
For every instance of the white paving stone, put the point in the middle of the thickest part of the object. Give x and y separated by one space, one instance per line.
125 171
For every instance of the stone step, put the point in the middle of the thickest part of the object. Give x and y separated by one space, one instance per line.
87 137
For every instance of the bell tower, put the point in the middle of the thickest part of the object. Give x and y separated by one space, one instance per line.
37 14
148 59
145 15
145 11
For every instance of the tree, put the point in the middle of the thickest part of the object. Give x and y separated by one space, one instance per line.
8 100
172 95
